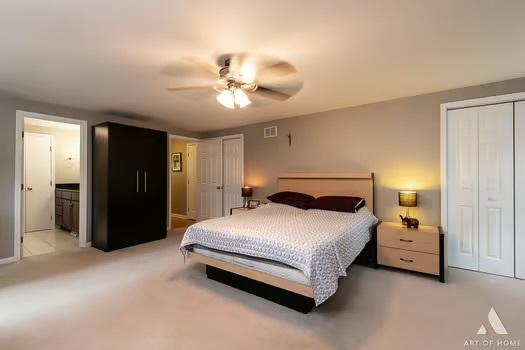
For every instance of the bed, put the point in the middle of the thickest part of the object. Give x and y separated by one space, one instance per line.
289 255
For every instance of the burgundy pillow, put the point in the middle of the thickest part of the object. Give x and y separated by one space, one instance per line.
295 199
338 203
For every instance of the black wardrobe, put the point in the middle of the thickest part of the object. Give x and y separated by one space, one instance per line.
129 186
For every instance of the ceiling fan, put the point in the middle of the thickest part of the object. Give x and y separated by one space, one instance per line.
237 76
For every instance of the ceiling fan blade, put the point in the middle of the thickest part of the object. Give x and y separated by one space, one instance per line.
272 94
203 65
185 88
278 69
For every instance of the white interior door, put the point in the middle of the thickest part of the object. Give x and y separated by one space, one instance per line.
192 181
209 175
519 168
38 182
233 172
496 189
462 168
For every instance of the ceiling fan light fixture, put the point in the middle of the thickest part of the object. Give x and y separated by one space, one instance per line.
227 99
241 99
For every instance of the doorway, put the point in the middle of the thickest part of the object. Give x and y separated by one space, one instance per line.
183 181
206 177
50 179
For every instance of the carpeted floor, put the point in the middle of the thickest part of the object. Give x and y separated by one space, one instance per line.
145 297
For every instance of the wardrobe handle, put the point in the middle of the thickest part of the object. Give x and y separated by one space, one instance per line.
145 181
137 180
406 240
406 260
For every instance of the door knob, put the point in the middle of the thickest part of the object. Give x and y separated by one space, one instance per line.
30 188
219 187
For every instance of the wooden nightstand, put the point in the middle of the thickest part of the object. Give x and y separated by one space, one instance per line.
238 210
418 250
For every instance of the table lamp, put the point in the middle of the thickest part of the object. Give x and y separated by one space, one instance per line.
407 199
246 192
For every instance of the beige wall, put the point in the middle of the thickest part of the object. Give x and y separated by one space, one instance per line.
67 145
8 106
178 179
398 140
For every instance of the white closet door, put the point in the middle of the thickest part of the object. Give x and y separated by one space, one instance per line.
232 173
496 189
209 174
462 149
519 130
39 194
191 189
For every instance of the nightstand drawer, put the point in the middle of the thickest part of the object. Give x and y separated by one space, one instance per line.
408 239
409 260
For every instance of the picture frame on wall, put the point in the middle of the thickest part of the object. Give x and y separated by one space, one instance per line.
176 162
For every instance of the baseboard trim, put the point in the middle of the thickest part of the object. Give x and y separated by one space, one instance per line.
9 260
85 245
179 216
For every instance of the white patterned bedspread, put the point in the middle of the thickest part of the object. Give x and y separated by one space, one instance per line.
320 243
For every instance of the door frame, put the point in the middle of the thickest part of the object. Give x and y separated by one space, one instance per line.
170 138
53 150
18 200
444 108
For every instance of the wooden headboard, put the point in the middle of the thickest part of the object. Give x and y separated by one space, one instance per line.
324 184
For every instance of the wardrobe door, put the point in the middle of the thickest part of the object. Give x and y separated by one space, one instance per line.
496 189
462 174
519 168
124 183
154 217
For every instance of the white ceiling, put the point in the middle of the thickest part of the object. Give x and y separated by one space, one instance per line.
99 54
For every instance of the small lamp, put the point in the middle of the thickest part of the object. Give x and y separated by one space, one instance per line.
246 191
407 199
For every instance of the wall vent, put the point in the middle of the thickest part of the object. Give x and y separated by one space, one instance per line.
270 131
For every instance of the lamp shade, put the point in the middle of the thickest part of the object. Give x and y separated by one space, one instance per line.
246 191
408 198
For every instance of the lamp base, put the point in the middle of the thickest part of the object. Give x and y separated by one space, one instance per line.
409 222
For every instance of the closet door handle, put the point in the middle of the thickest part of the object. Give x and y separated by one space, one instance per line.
406 260
145 181
137 180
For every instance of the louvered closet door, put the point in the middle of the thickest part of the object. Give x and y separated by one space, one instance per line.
496 189
519 132
462 149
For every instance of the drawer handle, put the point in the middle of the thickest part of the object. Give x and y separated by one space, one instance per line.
406 260
406 240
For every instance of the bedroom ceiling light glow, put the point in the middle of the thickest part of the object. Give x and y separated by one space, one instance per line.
232 98
241 99
226 99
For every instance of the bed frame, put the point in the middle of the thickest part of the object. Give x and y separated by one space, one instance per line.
282 291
